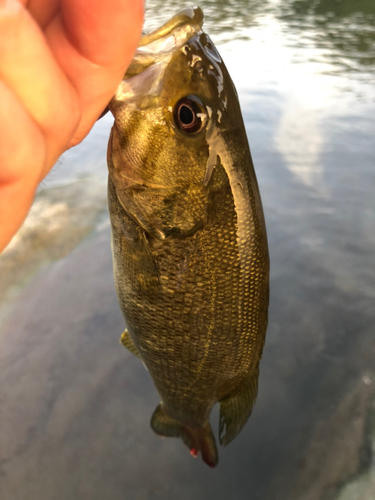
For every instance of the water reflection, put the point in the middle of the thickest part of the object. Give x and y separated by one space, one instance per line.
225 20
340 33
344 30
76 420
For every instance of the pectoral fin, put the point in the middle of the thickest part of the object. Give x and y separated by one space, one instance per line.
236 409
127 342
199 438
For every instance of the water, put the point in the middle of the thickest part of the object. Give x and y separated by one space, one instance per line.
75 407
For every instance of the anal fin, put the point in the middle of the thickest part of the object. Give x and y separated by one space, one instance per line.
127 342
236 408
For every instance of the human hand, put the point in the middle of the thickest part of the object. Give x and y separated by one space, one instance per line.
60 63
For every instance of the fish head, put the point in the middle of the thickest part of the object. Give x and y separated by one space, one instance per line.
175 101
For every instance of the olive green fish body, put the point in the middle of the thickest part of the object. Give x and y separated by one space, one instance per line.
188 235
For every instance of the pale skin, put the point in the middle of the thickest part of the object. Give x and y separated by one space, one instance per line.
60 64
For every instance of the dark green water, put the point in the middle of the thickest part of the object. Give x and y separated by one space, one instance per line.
75 408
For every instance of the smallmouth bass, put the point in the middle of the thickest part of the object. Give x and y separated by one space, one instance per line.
189 242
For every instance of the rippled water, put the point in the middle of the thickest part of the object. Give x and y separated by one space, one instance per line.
75 409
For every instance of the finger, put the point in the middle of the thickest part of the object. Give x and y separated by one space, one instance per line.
22 157
27 66
94 43
102 31
42 11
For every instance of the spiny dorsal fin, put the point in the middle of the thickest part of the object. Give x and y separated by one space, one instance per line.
236 409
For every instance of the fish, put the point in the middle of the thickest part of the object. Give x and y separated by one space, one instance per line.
189 242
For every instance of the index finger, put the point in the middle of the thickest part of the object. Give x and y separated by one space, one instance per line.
93 42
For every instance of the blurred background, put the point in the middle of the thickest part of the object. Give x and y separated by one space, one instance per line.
75 406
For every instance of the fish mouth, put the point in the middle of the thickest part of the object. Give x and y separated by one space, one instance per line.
157 45
143 80
188 17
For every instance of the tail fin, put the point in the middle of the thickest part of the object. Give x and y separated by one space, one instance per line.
197 439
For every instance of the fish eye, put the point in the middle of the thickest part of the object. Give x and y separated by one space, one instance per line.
190 114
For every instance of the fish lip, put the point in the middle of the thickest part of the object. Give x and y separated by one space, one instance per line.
191 16
156 49
158 45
